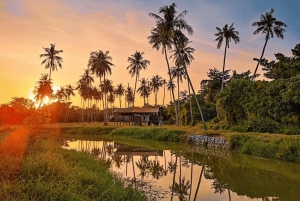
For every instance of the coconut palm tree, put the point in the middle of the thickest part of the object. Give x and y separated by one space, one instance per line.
120 91
69 91
187 54
100 64
107 88
155 83
171 86
137 63
226 34
179 73
268 25
86 80
144 89
52 60
129 96
169 31
42 89
164 83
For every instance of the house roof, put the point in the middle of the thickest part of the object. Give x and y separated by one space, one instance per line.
137 110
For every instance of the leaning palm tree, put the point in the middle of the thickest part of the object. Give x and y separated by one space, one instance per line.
268 25
51 58
155 83
167 32
187 54
227 34
100 64
137 63
179 73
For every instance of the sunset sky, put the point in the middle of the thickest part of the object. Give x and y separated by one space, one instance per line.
121 27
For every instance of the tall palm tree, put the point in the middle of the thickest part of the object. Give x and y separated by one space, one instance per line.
171 86
69 91
137 63
100 64
227 34
129 96
107 88
144 89
161 36
120 91
86 80
51 58
268 25
187 54
170 28
164 83
179 73
155 83
43 89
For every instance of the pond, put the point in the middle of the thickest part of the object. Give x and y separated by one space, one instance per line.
195 172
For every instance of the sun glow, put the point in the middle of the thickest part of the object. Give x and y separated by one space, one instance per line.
46 100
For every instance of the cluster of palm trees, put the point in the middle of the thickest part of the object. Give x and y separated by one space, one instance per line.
168 36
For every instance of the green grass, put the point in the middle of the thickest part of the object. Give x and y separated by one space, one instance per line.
277 147
149 133
49 172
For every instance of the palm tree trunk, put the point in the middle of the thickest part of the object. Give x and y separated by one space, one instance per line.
262 54
194 94
164 93
120 100
136 77
176 113
222 84
191 108
50 74
105 109
178 103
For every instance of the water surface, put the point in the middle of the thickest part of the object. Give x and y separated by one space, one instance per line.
196 173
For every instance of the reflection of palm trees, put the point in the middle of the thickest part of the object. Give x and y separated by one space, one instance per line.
200 177
143 164
157 170
173 183
118 160
182 188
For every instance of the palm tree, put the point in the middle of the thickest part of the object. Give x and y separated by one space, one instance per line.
268 25
43 89
161 36
86 80
144 89
106 88
69 91
179 73
137 63
164 83
120 91
171 86
227 34
100 64
129 96
186 52
168 31
155 83
52 59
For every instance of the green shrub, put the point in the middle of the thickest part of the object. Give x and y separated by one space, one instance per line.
259 124
238 128
291 130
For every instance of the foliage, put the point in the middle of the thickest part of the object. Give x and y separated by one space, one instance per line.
51 173
150 133
262 125
88 130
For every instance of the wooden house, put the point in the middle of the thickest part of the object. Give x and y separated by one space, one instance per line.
138 116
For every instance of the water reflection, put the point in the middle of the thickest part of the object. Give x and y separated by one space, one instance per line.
196 174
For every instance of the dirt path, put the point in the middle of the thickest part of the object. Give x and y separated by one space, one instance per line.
12 150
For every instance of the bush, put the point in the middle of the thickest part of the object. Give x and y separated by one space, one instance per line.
291 130
259 124
238 128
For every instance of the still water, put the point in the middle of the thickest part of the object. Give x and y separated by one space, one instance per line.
196 173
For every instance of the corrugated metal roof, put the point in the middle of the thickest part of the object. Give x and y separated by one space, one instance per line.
137 110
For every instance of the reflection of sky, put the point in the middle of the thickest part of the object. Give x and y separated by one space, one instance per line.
206 192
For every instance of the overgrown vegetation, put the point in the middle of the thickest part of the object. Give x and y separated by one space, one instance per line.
279 147
149 133
49 172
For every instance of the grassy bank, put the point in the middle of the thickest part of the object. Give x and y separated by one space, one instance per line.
150 133
49 172
266 145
